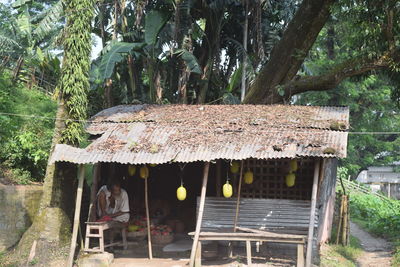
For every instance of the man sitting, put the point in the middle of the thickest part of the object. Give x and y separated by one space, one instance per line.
113 203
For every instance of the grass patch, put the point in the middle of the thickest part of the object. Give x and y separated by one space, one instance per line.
341 256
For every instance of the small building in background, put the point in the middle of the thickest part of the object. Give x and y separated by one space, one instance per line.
385 179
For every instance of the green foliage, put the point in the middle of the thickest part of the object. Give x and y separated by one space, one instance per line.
381 217
50 17
155 21
190 60
25 141
115 55
74 81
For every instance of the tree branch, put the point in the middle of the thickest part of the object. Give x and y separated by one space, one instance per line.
332 78
289 53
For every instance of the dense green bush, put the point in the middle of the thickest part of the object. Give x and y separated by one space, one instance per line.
379 216
25 141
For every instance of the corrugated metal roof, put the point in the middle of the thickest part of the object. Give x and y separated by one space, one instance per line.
140 134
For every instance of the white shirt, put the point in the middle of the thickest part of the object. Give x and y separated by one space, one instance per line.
121 204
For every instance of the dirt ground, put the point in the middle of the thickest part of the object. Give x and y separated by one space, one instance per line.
273 255
377 251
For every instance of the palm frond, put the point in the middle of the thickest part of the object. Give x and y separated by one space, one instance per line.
50 20
8 45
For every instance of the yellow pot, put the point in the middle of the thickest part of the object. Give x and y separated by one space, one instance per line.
131 170
181 193
248 177
290 179
227 190
144 172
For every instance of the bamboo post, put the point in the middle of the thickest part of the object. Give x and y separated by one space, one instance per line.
81 175
345 225
339 229
146 200
218 178
237 206
238 197
93 193
200 214
312 214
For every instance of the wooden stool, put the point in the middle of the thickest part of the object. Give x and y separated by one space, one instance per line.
99 228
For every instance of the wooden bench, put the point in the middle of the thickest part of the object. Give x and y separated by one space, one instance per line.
96 230
266 220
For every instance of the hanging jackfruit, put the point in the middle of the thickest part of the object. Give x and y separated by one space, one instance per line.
293 165
290 179
144 172
181 193
248 177
227 190
131 170
235 167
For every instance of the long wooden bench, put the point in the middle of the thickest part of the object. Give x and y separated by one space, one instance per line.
267 220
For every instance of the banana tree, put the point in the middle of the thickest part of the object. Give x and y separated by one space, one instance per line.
154 50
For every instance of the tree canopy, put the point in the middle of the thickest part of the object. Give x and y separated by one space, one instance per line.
321 52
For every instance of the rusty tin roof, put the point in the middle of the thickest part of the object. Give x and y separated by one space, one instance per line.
143 134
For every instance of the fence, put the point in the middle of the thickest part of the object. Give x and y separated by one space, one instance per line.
351 186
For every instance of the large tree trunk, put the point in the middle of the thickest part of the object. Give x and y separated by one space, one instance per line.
51 226
290 52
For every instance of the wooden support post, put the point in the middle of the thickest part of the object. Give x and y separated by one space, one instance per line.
218 179
248 252
93 193
197 261
146 200
200 214
238 197
81 176
339 229
300 255
237 206
312 214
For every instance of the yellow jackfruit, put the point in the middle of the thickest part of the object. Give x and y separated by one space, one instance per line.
248 177
235 167
181 193
227 190
144 172
293 165
131 170
290 179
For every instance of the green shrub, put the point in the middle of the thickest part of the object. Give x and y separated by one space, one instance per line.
381 217
25 141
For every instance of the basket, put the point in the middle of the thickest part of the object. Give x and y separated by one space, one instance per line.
137 235
162 239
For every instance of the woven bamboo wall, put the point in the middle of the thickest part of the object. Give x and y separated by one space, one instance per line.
269 179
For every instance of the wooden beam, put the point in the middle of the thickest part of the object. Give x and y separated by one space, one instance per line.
218 184
312 214
81 176
146 200
200 214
